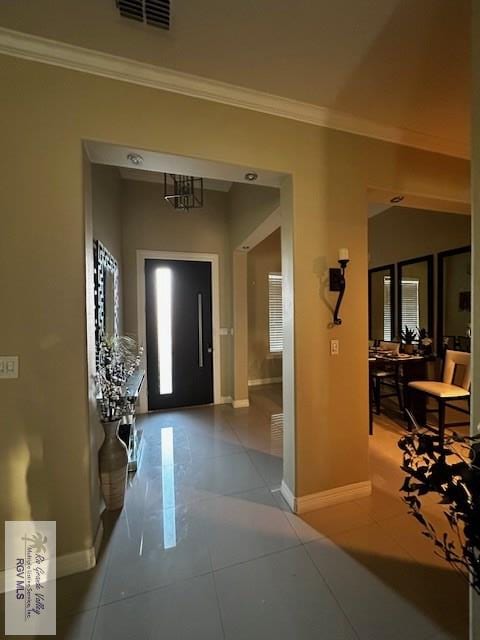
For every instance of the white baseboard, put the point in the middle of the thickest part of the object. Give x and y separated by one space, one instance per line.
313 501
240 404
288 496
98 539
225 400
70 563
257 383
76 562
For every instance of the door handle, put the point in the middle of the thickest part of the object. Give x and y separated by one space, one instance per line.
200 330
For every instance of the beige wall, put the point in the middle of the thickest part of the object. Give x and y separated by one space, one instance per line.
400 234
263 259
240 329
475 139
45 416
94 430
148 222
457 279
248 208
106 218
106 203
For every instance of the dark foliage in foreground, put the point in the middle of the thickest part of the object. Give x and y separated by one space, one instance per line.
452 470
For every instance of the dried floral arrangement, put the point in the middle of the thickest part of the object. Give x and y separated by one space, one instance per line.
450 468
118 357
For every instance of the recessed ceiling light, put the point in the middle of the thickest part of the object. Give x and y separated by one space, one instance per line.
135 158
251 176
396 199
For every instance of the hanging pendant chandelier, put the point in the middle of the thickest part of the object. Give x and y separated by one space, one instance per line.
183 192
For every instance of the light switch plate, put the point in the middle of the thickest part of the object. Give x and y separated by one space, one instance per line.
9 367
334 347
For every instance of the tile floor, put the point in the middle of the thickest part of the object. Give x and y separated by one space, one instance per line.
206 548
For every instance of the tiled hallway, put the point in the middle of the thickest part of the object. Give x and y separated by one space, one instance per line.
206 549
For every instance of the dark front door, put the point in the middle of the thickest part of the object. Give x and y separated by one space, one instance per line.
178 297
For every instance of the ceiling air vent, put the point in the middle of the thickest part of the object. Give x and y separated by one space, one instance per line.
153 12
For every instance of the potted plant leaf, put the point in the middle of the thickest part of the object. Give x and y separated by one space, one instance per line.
408 338
118 359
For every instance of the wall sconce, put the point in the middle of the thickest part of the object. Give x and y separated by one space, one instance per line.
337 282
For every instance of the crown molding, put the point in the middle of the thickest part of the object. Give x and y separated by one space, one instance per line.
60 54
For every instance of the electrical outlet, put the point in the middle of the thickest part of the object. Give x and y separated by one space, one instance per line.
334 347
9 367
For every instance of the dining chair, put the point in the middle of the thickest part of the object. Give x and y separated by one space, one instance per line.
454 386
387 376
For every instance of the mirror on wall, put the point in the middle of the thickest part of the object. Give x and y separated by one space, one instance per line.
415 294
454 298
381 303
106 292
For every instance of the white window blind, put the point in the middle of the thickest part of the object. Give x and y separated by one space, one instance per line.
410 307
275 313
387 309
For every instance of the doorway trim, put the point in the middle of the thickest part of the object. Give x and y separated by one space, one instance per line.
146 254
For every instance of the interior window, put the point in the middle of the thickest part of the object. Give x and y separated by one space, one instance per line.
387 308
410 303
275 313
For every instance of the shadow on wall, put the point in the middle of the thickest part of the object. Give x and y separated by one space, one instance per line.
29 475
321 269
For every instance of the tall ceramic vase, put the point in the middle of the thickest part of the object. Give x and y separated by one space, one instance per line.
113 464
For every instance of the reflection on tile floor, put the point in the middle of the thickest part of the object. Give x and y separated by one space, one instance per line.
206 548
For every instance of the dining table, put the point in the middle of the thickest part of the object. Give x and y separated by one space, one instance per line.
406 367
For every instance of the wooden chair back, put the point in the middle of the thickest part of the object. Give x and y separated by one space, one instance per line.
457 369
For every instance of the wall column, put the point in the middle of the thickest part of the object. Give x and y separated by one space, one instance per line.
240 330
475 171
330 402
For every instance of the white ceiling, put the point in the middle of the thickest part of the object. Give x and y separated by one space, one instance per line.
375 208
401 63
159 163
157 177
380 200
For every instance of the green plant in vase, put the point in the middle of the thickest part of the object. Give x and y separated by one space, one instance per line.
409 336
